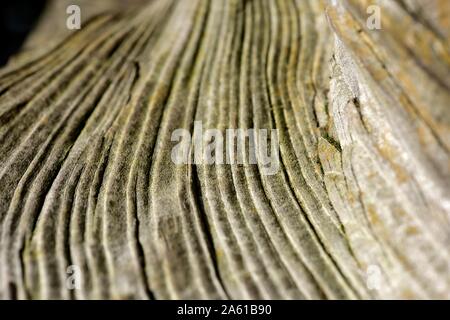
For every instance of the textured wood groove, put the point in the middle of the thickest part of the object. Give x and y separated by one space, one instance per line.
363 120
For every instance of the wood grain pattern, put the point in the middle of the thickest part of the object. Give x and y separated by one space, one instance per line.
363 190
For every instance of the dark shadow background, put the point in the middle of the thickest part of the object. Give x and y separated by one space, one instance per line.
17 19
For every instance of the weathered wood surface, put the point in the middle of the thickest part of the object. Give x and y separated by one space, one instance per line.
360 207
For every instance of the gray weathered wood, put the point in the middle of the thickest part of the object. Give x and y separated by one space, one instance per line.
359 209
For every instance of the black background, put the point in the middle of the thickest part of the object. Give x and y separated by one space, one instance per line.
17 19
